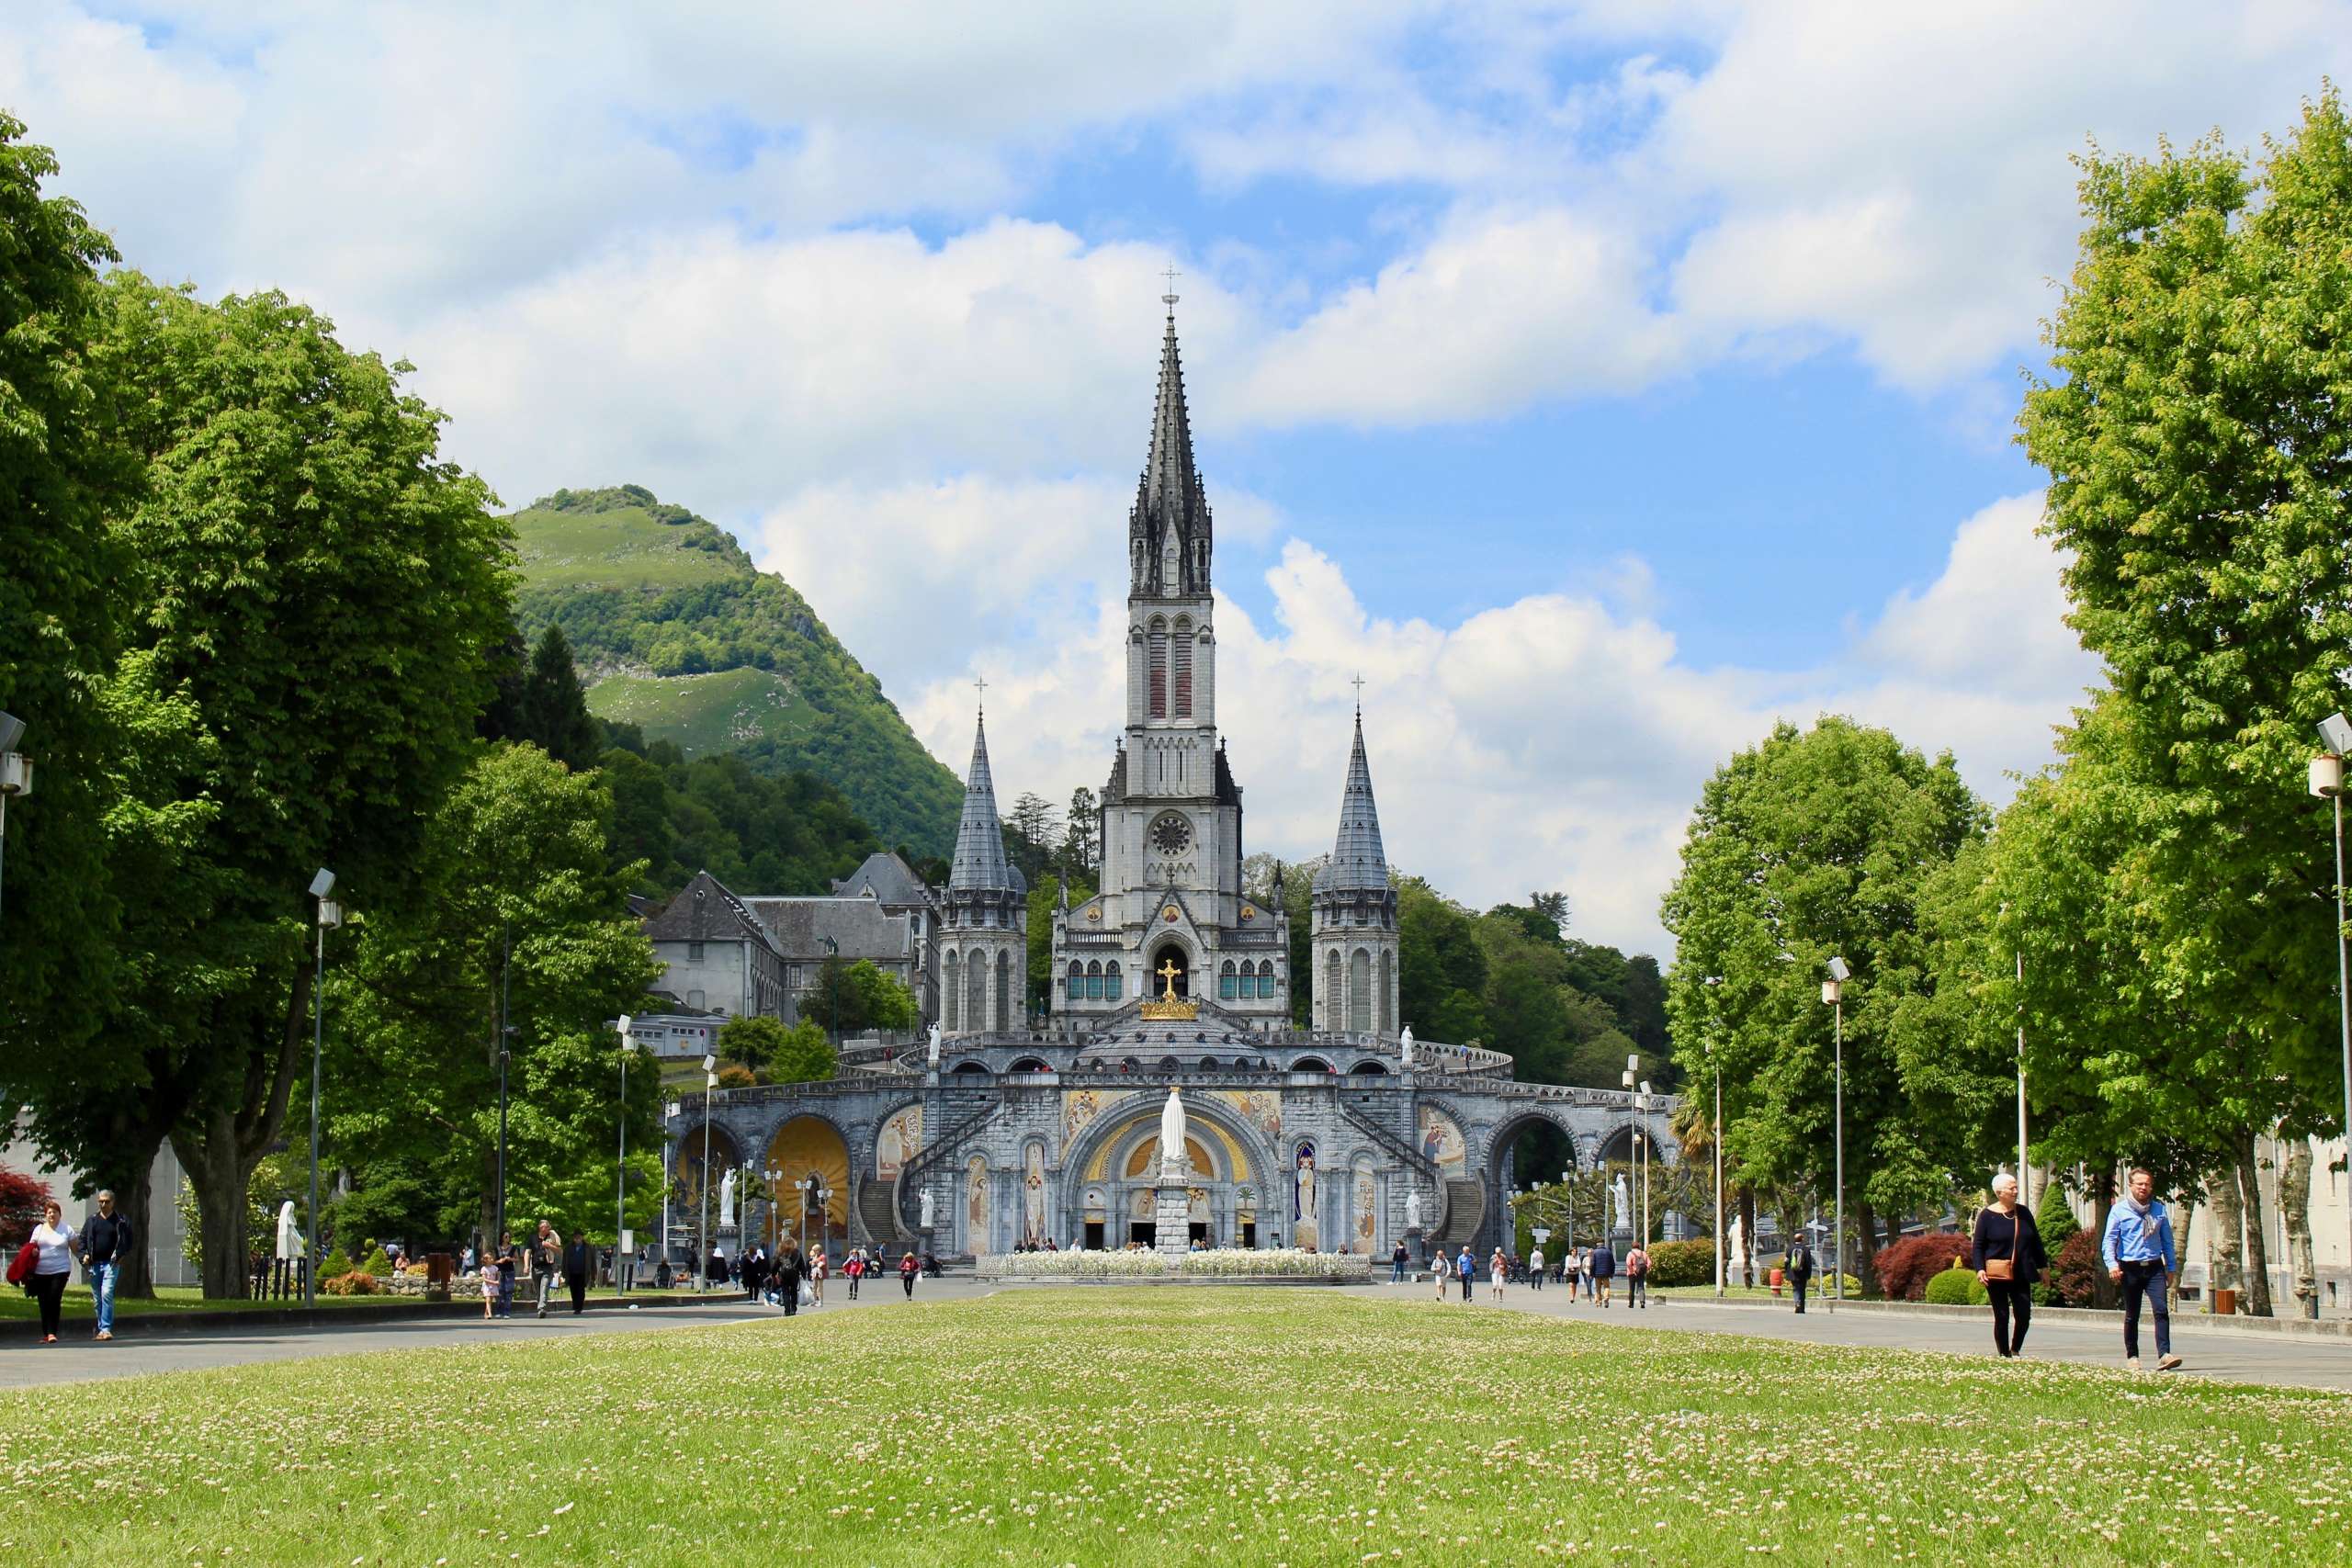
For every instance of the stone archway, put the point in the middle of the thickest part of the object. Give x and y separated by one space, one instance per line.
805 1146
1102 1161
693 1176
1169 952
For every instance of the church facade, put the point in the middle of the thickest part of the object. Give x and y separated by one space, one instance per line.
1345 1133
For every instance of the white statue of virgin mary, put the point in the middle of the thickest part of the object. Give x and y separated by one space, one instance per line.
726 1202
289 1239
1171 1133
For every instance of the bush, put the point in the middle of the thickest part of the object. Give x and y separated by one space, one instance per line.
1683 1263
335 1263
379 1263
352 1282
2075 1275
1956 1287
1905 1267
2055 1217
21 1201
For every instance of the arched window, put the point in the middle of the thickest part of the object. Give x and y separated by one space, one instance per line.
1360 990
1111 981
1265 978
1159 669
1225 981
1332 1015
975 993
1077 982
951 975
1003 991
1387 991
1184 667
1094 982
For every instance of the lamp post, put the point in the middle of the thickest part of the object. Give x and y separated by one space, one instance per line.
834 990
773 1176
709 1093
1833 991
1722 1262
15 773
1633 1126
620 1163
330 914
1642 1146
669 1119
2327 779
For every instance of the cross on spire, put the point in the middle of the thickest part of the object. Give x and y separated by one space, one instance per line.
1169 298
980 685
1358 684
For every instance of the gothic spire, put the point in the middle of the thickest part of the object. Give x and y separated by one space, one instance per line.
1358 862
981 864
1169 531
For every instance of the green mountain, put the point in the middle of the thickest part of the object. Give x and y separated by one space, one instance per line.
675 631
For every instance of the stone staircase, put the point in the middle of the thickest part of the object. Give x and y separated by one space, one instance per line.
1466 1216
877 1207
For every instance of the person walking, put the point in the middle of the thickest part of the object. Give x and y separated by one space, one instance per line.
1604 1269
489 1278
1637 1277
508 1259
755 1267
1572 1271
1796 1264
787 1278
816 1276
908 1269
1584 1266
104 1245
2010 1259
1465 1272
856 1269
1397 1261
1441 1271
53 1240
547 1256
2138 1252
1497 1270
579 1267
1536 1269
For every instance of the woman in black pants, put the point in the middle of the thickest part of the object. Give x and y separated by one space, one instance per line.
2009 1259
58 1241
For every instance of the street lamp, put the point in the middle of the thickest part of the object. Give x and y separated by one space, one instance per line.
330 914
834 990
1642 1143
2327 779
15 773
773 1176
670 1113
1833 992
1722 1263
1633 1123
620 1163
709 1092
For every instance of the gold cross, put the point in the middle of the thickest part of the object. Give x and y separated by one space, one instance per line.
1168 972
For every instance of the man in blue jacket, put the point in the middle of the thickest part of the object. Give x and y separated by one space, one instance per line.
2138 1252
1466 1270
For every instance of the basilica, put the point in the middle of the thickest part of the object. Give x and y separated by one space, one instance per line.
1347 1134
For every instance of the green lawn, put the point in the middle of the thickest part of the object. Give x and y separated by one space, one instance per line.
169 1299
1165 1426
702 713
623 548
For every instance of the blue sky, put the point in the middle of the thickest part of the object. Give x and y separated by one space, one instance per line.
1601 381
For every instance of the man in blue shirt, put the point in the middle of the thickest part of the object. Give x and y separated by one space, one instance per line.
1467 1270
2138 1252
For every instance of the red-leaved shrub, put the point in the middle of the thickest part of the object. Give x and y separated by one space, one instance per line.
2074 1274
1905 1267
21 1197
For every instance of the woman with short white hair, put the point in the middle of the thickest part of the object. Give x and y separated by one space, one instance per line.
2010 1260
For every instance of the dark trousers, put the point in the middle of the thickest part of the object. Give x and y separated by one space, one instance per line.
1536 1279
2009 1296
1636 1290
788 1291
2149 1279
49 1290
1467 1281
1797 1282
579 1283
908 1281
853 1278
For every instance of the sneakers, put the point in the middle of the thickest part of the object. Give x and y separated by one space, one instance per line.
2133 1362
2167 1363
105 1332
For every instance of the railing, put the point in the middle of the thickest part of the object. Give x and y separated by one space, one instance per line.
933 1150
1413 1158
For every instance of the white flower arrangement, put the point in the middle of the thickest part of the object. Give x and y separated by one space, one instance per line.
1223 1263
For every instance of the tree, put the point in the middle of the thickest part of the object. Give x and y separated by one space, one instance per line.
1813 844
1440 970
777 1052
554 711
288 483
1031 835
518 916
1045 898
61 474
850 997
1081 845
2194 441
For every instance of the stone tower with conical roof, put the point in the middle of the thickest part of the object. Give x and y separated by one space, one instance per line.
1353 928
984 942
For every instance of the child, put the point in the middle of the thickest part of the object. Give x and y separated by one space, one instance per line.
489 1291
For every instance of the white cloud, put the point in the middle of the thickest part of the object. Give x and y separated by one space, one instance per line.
1552 742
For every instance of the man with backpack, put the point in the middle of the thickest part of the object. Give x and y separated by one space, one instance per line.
1798 1266
1637 1277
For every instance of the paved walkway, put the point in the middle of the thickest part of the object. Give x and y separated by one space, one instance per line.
2207 1353
25 1362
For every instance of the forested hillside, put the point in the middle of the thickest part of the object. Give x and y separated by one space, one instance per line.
677 633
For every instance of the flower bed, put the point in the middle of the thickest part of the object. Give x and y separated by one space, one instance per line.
1226 1263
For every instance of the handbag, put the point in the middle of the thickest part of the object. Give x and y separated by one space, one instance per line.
20 1267
2001 1270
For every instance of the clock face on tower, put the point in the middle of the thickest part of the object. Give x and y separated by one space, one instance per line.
1171 834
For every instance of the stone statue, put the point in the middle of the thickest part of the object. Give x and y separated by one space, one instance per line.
926 1198
1735 1260
1623 1199
1171 1133
1405 1040
1305 1188
935 1048
1412 1199
290 1240
726 1202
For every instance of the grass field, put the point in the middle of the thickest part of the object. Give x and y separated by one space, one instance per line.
15 1305
701 712
623 548
1165 1426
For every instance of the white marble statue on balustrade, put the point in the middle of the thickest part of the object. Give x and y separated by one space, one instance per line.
926 1221
1405 1040
935 1048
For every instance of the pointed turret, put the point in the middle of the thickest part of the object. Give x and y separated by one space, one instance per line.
981 864
1358 860
1169 533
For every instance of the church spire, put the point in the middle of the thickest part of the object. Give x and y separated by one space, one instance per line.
981 864
1358 860
1169 531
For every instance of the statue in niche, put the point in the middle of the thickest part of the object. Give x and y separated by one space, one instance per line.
1303 1227
1413 1209
925 1205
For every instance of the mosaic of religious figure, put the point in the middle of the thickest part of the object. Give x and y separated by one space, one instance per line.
976 1199
1033 1195
1364 1217
1441 1139
900 1141
1079 1108
1302 1212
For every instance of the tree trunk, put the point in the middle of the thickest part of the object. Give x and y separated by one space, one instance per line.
1747 1234
2295 1206
1864 1267
2222 1196
2104 1291
136 1277
232 1140
2257 1245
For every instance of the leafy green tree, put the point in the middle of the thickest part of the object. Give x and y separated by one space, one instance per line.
518 915
865 996
1813 844
777 1052
1441 970
2194 435
1044 896
554 710
1081 847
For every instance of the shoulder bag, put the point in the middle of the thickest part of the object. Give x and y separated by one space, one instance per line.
2004 1269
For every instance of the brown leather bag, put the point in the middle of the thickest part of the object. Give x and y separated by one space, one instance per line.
2004 1269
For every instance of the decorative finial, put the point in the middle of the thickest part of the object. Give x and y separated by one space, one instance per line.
980 685
1358 684
1169 298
